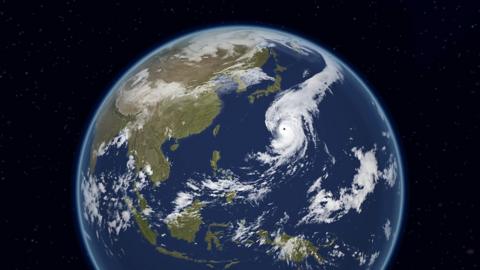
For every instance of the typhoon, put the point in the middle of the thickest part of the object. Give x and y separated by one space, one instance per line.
240 148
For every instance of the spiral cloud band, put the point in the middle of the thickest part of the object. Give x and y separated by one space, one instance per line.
291 114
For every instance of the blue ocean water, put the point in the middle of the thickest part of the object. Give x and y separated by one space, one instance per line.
348 117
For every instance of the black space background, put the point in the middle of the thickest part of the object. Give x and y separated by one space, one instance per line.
57 60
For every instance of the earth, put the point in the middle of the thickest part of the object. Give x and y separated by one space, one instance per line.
240 148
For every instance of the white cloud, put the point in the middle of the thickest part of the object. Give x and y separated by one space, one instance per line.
208 44
332 158
361 257
91 195
305 73
119 222
317 184
118 141
250 76
258 194
140 94
387 229
326 208
389 174
291 247
141 97
373 258
226 181
283 220
183 200
226 185
336 253
140 77
291 114
148 169
245 231
103 197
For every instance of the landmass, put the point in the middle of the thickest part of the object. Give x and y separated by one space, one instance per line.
186 224
108 125
180 119
175 254
230 196
212 236
258 61
152 117
170 115
211 263
216 130
272 88
142 202
229 265
215 158
294 249
174 147
148 233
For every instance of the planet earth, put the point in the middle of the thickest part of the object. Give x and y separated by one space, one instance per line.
240 147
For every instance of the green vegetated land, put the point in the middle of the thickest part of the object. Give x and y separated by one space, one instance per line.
213 234
182 118
301 248
188 220
216 130
177 118
257 61
108 125
215 158
174 147
210 263
275 86
144 227
230 196
187 223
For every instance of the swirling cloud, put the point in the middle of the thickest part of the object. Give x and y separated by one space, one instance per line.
290 117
